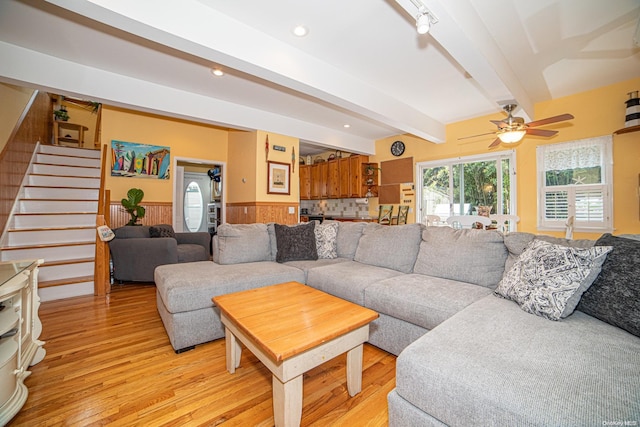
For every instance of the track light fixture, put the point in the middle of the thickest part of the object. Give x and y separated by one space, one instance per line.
425 17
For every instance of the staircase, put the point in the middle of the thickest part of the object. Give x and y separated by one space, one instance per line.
55 220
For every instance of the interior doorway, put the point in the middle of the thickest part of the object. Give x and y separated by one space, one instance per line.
195 191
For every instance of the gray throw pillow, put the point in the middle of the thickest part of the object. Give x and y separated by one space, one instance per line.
548 280
614 296
326 243
296 243
162 230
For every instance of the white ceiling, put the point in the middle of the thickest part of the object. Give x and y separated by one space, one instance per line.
361 64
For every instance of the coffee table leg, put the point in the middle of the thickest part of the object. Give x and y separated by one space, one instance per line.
233 350
354 370
287 402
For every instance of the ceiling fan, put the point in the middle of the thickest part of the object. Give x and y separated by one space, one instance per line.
513 129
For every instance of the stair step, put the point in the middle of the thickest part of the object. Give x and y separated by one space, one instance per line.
53 235
63 193
46 169
66 281
51 206
58 270
55 159
66 151
51 252
42 180
53 219
65 262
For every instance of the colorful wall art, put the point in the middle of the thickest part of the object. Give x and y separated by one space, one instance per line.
139 160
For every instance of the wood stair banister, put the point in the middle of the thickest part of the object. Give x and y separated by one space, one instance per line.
102 284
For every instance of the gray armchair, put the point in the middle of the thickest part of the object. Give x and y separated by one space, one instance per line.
136 254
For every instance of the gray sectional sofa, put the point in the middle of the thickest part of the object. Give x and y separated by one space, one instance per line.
466 356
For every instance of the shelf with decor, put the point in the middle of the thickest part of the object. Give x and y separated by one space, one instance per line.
370 172
68 133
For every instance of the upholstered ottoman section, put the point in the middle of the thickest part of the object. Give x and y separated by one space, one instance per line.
492 364
184 293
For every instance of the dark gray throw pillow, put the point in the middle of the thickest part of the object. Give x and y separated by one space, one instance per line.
162 230
296 243
614 296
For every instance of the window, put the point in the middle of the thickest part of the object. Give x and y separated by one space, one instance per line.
459 186
575 180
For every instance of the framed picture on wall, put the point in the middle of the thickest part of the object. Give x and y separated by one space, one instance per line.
278 179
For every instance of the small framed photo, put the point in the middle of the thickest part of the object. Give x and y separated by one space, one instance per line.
279 178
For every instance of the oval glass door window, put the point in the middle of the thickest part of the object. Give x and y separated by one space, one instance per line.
193 207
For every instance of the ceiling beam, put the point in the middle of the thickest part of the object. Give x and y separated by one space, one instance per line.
458 28
216 37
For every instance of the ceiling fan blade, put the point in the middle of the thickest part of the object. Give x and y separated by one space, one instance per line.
499 123
473 136
549 120
495 143
541 132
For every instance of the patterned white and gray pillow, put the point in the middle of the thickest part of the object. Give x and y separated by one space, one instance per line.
548 280
326 240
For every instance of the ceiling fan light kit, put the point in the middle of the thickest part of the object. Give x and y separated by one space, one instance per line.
511 136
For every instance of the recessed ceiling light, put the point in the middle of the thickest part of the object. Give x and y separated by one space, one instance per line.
346 126
300 31
217 72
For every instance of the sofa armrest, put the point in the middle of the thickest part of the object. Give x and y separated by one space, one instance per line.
136 259
201 238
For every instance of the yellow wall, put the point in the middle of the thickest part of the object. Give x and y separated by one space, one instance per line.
289 143
247 161
597 112
14 100
186 139
241 168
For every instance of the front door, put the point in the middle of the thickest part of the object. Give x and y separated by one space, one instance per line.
196 193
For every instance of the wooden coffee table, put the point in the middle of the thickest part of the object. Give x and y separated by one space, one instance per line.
292 328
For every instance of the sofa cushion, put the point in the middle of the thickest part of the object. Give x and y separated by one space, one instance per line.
239 243
422 300
472 256
326 243
492 364
132 232
517 242
162 230
349 234
548 280
190 286
296 243
394 247
614 297
348 279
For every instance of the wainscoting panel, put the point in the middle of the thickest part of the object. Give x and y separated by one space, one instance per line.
264 212
156 213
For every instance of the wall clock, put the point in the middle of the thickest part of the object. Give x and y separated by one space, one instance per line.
397 148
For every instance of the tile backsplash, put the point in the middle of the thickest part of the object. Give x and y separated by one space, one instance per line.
335 207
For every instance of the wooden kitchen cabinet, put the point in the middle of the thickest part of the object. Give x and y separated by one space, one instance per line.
324 180
356 175
345 188
333 179
305 182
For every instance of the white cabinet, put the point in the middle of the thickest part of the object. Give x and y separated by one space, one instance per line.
20 328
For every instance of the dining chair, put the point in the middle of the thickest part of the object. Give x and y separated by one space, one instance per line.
467 221
384 214
403 213
431 220
505 223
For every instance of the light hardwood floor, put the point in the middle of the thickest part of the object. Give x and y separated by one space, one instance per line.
109 362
